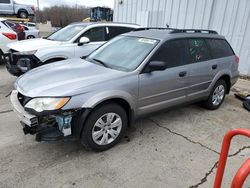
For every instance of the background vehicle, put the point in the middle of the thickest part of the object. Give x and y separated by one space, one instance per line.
31 32
63 44
10 7
101 14
130 76
30 25
17 28
7 36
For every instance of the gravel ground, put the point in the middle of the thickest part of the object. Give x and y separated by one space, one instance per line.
177 148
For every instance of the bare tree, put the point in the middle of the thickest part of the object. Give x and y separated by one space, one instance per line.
61 16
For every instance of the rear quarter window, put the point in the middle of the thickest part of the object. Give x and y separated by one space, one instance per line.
117 30
219 48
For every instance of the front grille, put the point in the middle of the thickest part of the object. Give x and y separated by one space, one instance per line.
23 99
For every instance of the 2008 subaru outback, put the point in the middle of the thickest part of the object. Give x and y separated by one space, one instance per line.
96 98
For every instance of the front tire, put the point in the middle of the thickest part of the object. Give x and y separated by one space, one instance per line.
217 95
1 57
104 127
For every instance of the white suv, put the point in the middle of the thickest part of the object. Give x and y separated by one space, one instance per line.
7 36
74 40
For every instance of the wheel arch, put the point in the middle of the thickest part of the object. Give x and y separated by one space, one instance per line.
86 111
223 75
227 79
121 102
54 59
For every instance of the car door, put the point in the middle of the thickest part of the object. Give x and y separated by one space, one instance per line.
97 37
6 7
202 68
161 89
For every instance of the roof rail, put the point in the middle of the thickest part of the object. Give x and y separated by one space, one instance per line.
175 30
148 28
194 31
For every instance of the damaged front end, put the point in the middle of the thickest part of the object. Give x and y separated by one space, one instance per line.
48 126
17 63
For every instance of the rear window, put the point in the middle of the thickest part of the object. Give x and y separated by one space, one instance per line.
219 48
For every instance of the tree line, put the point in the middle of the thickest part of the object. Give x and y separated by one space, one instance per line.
61 16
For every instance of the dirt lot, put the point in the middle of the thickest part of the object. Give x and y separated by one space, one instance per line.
178 148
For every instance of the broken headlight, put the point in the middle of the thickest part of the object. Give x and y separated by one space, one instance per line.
44 104
24 64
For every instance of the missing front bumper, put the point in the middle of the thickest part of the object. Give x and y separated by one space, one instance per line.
47 128
25 117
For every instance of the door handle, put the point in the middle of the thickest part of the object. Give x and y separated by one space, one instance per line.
214 67
183 74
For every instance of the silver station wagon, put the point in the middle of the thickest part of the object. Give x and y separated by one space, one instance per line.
94 99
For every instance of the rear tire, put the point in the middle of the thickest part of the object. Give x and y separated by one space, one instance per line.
104 127
31 37
23 14
217 95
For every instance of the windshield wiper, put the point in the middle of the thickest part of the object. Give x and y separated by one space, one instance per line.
101 62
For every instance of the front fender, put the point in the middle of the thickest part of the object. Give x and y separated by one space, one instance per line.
106 95
47 56
60 51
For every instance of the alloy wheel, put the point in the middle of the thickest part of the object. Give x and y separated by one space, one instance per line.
107 128
218 95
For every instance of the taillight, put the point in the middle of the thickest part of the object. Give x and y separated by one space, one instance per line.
237 59
10 36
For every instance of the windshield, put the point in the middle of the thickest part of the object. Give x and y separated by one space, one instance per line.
124 52
66 33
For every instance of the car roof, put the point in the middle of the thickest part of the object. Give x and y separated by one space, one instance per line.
166 34
105 23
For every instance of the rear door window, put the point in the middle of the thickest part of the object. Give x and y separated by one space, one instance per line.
31 25
114 31
96 34
219 48
198 50
172 53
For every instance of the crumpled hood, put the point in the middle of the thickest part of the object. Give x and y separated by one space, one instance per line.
33 44
64 78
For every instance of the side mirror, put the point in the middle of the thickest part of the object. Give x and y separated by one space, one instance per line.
156 66
83 40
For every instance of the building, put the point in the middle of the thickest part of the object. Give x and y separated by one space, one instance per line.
230 18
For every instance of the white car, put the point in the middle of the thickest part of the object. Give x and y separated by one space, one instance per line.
31 32
74 40
30 25
7 36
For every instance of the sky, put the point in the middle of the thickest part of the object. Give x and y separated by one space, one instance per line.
89 3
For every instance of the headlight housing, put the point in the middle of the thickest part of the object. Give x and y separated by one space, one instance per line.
26 52
24 64
45 104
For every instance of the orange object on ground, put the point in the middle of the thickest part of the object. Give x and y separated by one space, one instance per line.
241 174
244 170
